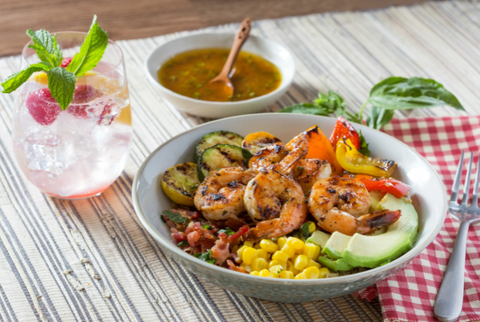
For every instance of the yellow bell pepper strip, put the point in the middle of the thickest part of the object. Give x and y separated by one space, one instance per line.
353 161
319 147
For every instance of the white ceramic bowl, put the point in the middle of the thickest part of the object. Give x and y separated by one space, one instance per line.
265 48
427 189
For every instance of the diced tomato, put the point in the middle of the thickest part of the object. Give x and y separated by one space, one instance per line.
343 129
387 185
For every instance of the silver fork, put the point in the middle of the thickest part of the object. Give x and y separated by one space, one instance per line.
448 304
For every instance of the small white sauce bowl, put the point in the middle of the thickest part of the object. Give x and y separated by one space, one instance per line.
264 48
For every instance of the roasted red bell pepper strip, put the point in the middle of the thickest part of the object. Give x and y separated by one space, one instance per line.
343 129
387 185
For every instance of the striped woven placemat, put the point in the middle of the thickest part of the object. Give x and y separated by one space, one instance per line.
90 260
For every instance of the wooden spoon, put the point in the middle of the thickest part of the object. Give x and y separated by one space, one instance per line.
222 83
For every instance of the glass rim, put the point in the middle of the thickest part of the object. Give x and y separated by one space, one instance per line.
110 42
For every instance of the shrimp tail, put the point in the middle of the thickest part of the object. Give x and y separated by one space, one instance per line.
373 221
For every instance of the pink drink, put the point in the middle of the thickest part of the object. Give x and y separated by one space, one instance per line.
79 152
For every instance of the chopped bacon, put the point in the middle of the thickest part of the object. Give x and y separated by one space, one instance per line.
236 268
220 251
193 237
242 231
178 236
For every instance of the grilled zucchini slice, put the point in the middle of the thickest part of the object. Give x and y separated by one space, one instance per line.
214 138
222 156
181 182
255 142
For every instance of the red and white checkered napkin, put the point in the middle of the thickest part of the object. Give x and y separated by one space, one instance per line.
410 294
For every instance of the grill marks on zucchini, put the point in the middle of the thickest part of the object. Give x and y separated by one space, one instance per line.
222 156
181 182
215 138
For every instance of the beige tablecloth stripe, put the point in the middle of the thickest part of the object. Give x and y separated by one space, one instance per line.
91 260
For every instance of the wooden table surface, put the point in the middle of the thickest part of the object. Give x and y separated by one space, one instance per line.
127 19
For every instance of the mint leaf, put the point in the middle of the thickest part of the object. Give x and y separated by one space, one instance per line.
46 47
91 51
14 81
61 84
176 217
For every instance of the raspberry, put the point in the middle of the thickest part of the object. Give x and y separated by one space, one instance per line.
83 94
66 61
43 107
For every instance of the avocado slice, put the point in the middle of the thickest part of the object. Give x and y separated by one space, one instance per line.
372 251
336 245
375 198
334 265
318 238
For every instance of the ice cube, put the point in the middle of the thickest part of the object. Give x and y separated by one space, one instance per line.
51 153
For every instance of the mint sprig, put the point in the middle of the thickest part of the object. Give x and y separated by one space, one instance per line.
91 51
61 81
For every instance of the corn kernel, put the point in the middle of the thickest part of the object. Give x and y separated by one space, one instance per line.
313 263
281 242
248 243
257 246
301 262
263 254
277 269
259 263
311 227
295 243
290 251
311 273
240 251
277 262
323 272
280 256
255 273
312 251
287 274
274 275
249 254
247 267
300 276
265 273
292 268
268 246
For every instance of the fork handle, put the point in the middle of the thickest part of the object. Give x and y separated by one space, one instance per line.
448 304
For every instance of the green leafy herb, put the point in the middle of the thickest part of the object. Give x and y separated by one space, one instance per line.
46 47
227 231
224 213
399 93
379 117
331 102
363 144
91 51
305 232
176 217
300 169
62 85
14 81
206 257
183 243
207 227
305 108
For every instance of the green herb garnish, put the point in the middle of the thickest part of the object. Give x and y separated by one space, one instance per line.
227 231
207 227
363 144
305 232
300 169
183 243
206 257
61 81
176 217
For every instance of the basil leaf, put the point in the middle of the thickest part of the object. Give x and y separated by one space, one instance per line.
14 81
396 93
227 231
305 108
183 243
176 217
379 117
61 84
363 144
46 47
332 102
305 231
91 51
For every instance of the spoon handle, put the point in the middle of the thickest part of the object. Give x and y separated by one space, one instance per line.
240 39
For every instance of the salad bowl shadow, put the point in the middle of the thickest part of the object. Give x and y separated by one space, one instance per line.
427 190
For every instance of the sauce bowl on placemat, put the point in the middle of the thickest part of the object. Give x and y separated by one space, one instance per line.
427 191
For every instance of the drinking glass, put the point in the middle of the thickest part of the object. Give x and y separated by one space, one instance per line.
79 152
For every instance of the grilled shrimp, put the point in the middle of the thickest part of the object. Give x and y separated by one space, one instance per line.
308 171
277 202
220 195
341 204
